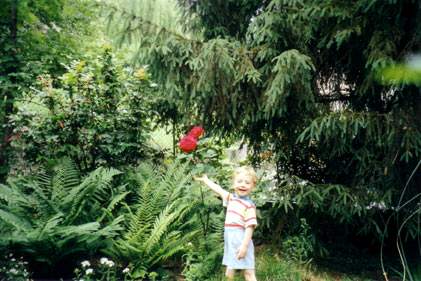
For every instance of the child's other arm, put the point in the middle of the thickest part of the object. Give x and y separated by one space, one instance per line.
215 187
242 251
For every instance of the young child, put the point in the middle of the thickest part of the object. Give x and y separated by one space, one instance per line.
240 221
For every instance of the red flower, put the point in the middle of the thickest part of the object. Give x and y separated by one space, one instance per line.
196 132
188 144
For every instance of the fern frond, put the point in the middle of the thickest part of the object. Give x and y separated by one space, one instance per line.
15 221
66 178
116 200
49 226
161 225
92 190
12 196
45 205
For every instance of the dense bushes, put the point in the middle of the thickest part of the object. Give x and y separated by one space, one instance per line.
97 113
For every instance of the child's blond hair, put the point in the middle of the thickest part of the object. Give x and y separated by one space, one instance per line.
246 170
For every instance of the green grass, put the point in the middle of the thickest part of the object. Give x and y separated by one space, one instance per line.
271 267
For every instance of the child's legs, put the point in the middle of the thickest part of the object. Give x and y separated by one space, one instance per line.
229 273
249 275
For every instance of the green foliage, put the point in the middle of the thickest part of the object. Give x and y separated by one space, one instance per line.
271 265
214 73
410 274
298 80
204 255
98 114
402 74
57 215
300 247
201 265
290 84
161 223
372 143
353 211
36 37
222 18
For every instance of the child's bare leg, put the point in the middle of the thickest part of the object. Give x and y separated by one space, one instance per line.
250 275
229 273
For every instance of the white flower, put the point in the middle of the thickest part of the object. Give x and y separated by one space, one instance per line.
44 28
126 270
55 27
13 271
89 271
107 262
85 263
378 205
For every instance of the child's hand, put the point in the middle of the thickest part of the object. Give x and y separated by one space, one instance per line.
241 252
202 178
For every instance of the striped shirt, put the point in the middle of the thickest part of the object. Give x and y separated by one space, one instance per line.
241 211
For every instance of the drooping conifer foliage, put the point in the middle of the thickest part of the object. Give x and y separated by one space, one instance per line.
301 77
300 80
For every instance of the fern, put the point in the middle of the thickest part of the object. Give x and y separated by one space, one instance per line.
58 214
163 222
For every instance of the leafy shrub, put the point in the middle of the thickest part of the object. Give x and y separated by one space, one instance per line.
300 247
204 257
97 113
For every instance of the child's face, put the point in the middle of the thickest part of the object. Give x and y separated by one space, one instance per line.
243 184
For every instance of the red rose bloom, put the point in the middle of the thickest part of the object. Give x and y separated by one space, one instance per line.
188 143
196 132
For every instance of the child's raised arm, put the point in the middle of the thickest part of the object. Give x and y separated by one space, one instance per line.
215 187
